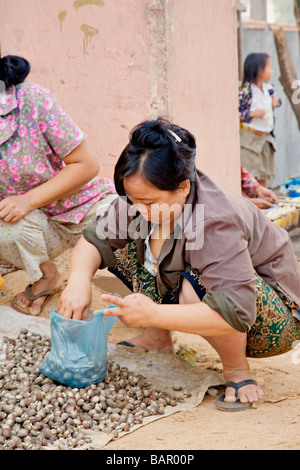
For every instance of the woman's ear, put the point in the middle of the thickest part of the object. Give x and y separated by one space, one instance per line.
185 187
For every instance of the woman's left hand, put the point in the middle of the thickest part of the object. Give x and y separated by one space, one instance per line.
135 310
261 203
14 208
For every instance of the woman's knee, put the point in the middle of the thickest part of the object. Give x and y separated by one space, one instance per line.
11 233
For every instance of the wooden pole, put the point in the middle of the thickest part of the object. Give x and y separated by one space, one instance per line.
297 17
288 77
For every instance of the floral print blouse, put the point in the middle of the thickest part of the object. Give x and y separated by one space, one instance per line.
35 136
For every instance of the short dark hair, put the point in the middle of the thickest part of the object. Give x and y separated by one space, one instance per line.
13 70
163 153
254 63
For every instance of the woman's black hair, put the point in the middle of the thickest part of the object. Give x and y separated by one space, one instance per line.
254 63
13 70
161 152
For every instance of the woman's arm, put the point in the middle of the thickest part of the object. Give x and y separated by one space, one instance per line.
139 311
76 299
81 166
251 188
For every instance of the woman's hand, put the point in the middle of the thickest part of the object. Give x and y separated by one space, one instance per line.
261 203
76 298
135 310
14 208
275 102
266 194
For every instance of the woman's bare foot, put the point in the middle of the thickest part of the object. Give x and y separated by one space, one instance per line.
50 280
246 394
155 338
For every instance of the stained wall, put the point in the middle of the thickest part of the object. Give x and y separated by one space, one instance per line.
114 63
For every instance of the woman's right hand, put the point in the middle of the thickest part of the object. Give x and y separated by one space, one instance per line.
76 298
14 208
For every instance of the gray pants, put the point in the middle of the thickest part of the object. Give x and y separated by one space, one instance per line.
257 154
37 238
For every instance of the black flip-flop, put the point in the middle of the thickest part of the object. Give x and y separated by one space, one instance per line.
126 343
237 405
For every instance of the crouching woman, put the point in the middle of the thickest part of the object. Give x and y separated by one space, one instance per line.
199 259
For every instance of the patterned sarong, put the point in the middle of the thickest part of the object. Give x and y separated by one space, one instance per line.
274 332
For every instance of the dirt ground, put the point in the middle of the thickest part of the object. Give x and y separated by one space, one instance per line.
273 424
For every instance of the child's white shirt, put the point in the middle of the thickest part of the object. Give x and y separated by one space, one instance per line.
261 99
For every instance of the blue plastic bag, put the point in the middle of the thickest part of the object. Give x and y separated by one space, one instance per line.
78 349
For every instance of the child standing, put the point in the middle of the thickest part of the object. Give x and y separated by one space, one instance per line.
257 101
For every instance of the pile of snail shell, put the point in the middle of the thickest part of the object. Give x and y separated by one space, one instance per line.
38 413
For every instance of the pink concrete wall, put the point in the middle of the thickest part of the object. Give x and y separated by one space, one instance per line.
203 82
114 63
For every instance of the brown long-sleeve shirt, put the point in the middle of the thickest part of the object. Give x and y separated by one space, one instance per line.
224 236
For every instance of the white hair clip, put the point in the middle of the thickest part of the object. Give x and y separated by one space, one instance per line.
176 137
